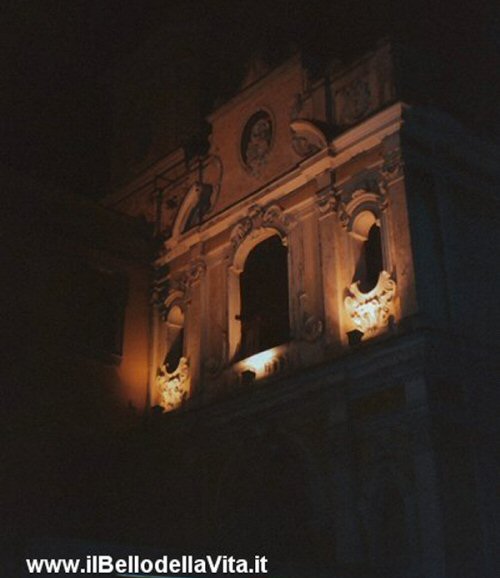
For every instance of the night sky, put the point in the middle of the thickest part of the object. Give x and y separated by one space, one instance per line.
57 59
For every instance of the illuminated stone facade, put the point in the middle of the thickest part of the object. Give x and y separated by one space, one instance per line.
272 170
330 431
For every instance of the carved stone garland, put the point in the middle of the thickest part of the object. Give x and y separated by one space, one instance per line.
174 387
372 311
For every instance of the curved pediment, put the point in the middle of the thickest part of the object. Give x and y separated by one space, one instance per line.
196 204
307 137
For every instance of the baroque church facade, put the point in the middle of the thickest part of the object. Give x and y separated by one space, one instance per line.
317 386
300 362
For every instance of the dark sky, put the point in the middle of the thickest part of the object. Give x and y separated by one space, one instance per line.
57 57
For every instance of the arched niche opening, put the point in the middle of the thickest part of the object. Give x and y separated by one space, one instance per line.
264 300
175 338
369 252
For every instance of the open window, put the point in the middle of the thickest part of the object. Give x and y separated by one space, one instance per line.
264 308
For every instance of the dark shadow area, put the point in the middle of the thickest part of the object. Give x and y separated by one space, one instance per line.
264 298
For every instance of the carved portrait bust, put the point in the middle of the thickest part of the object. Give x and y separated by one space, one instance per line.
256 141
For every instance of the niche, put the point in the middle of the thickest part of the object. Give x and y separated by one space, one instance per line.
175 338
370 260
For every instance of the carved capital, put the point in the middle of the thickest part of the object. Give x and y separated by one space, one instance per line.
195 271
370 312
160 288
392 166
326 200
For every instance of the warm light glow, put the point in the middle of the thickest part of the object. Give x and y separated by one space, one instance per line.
257 363
174 387
265 363
370 312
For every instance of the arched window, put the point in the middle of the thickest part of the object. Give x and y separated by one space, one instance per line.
371 262
368 240
264 298
175 338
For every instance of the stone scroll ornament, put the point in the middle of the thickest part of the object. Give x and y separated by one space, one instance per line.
173 387
370 312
